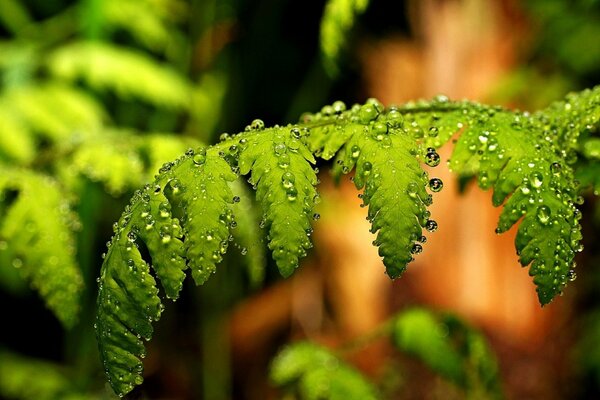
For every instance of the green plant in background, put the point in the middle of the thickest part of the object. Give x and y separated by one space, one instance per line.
89 92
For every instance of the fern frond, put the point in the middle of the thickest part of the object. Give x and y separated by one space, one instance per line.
314 373
506 150
338 18
281 172
450 348
127 72
509 152
37 227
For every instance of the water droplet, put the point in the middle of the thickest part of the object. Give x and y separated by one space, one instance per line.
367 113
536 179
367 167
432 158
436 184
288 179
316 216
199 158
433 131
236 199
412 190
355 151
292 193
338 107
284 161
431 225
131 236
257 125
571 275
416 249
555 168
543 214
378 130
395 118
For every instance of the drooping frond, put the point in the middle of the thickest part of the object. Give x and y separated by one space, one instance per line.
311 372
107 67
338 18
37 229
450 348
128 299
281 171
512 153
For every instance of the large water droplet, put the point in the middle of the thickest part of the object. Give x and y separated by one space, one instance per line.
536 179
288 179
367 113
436 184
543 214
257 124
432 158
416 249
431 225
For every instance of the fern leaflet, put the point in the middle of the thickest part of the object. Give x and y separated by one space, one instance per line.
285 184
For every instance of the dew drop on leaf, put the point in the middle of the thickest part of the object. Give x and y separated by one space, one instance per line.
543 214
431 225
436 184
432 158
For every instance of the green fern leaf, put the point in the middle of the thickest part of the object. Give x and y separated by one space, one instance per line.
37 228
127 72
315 373
337 21
384 157
285 181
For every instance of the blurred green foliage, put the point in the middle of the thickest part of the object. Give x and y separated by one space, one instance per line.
96 95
